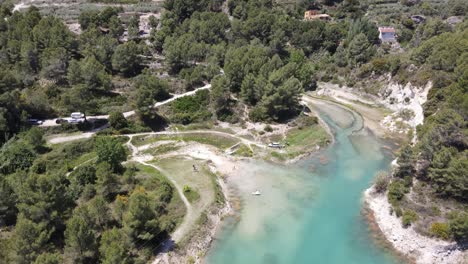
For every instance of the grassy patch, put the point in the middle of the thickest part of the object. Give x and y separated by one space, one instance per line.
219 195
194 126
243 151
82 159
275 138
162 149
302 140
146 172
278 156
215 140
188 109
200 181
67 155
191 194
152 178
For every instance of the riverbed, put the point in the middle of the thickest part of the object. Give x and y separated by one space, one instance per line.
308 212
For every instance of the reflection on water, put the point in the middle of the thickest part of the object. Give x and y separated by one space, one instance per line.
308 212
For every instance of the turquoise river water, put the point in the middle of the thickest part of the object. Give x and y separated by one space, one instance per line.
308 212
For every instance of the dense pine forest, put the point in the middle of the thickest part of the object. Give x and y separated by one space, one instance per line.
259 57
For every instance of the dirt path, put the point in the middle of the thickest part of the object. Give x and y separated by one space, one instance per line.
221 164
52 122
63 139
214 132
191 216
79 165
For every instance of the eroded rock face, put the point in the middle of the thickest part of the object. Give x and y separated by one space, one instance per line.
407 102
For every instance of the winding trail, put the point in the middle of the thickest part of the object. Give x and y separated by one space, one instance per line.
190 217
79 165
193 213
63 139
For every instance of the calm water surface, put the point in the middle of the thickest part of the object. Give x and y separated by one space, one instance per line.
308 212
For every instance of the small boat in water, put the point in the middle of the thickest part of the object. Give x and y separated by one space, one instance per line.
257 192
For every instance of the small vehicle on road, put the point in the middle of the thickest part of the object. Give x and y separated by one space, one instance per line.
275 145
76 120
35 122
77 115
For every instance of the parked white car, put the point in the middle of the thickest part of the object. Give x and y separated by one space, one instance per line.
77 115
76 120
275 145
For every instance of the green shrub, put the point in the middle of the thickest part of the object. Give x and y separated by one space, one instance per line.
441 230
381 181
191 194
398 212
191 260
407 182
187 189
307 121
458 225
244 151
117 120
191 109
408 218
380 65
268 128
364 71
396 191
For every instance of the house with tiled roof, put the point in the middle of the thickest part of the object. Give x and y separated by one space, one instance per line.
314 15
387 34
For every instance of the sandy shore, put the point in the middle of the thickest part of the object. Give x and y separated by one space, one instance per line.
420 249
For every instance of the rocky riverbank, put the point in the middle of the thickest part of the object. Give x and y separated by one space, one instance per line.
420 249
406 241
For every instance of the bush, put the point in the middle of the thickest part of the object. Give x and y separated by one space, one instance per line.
191 109
191 194
398 212
381 181
244 151
396 191
117 120
409 217
441 230
307 121
187 189
268 128
458 225
380 65
258 113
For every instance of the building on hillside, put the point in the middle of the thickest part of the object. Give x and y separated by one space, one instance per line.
310 13
314 15
387 34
